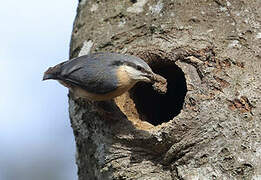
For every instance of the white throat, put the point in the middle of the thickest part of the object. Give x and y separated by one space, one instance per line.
135 74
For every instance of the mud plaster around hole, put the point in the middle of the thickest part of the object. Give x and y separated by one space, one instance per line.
145 107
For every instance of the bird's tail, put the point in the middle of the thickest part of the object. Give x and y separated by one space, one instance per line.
53 72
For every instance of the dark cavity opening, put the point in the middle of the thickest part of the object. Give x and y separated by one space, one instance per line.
157 108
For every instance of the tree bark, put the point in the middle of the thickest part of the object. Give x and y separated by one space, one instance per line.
207 126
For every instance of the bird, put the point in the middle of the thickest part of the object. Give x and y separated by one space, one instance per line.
101 76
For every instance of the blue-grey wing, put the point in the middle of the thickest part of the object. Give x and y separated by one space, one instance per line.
90 72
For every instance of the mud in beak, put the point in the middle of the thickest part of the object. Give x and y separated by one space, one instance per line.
159 83
154 78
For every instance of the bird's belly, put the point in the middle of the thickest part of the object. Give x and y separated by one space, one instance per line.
79 92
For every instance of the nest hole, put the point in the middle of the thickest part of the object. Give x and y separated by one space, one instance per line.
157 108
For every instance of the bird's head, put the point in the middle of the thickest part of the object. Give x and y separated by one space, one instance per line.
136 69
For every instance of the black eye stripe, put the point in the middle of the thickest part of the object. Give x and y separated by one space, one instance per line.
138 67
117 63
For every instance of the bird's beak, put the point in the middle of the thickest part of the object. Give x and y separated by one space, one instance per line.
155 78
148 77
151 76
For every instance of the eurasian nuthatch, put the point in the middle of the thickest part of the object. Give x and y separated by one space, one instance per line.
101 76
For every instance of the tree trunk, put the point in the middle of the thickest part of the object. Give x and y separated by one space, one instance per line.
207 126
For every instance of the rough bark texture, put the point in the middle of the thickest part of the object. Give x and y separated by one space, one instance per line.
208 125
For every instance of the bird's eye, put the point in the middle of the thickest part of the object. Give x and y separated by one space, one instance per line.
139 68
